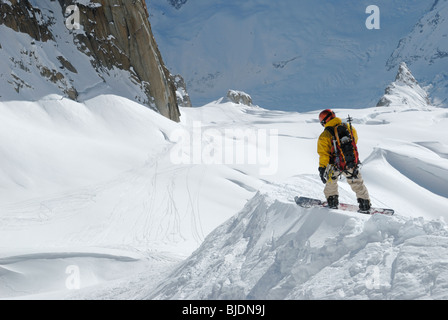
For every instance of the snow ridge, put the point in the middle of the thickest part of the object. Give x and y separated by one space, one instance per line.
275 250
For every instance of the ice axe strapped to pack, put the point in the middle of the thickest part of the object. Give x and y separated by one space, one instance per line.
344 149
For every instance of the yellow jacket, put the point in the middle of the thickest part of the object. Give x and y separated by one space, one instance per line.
324 143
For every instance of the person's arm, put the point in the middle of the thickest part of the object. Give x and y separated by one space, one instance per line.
324 150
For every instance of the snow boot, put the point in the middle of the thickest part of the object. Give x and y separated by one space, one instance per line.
364 205
333 202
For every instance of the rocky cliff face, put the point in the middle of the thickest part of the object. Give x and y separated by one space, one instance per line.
23 17
111 49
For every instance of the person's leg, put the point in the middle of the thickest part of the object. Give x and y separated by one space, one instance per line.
331 193
358 186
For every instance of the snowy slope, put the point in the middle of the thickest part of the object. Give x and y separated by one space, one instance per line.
92 185
289 54
281 251
274 250
109 198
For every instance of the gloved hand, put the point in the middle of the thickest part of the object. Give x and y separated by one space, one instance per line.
322 174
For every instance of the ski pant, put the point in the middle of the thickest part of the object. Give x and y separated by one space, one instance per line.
357 185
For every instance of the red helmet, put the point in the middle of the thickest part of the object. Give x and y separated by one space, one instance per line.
326 116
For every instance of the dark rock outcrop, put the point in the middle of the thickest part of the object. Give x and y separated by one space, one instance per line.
239 97
183 98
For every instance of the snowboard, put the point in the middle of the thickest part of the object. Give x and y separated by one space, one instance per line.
311 202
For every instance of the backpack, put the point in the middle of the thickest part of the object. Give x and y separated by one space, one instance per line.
344 148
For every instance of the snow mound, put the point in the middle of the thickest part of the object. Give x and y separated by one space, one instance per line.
274 249
55 144
74 274
418 172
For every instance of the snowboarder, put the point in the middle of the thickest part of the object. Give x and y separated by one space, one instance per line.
330 167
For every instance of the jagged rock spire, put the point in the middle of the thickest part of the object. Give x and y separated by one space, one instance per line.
404 91
405 76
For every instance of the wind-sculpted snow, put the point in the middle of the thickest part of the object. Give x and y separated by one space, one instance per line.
58 275
85 184
275 250
417 171
428 174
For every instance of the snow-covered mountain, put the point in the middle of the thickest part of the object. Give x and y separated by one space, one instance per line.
425 50
80 49
297 55
405 91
